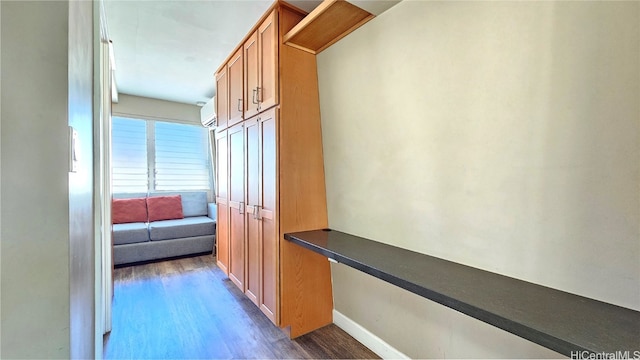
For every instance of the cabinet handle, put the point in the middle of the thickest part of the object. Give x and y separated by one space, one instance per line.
241 208
254 96
240 105
259 94
256 211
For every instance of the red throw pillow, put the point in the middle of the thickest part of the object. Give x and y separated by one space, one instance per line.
128 210
164 207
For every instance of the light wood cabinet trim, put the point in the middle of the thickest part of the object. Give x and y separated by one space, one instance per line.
326 24
266 214
234 204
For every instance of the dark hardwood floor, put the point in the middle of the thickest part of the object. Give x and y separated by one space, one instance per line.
188 309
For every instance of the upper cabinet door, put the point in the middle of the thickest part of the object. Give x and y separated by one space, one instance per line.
268 58
251 76
222 99
236 94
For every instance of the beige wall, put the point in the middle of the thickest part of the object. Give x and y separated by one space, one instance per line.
47 261
502 135
142 107
35 313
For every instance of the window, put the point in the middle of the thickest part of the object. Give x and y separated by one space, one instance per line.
159 156
129 155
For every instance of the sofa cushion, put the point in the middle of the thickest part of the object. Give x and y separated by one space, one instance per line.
130 233
164 208
152 250
212 211
128 210
187 227
194 203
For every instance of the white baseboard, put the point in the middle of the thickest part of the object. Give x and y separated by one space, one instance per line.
367 338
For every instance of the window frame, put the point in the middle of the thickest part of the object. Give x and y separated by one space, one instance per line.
151 153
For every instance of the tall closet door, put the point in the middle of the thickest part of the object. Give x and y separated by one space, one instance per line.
252 195
236 206
222 202
267 214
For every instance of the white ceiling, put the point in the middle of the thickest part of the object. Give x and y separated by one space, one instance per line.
170 50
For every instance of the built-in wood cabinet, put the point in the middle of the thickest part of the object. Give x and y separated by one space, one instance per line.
275 176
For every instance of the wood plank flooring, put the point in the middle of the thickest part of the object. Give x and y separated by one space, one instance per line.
188 309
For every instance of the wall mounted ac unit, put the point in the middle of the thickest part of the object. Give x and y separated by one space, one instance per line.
208 113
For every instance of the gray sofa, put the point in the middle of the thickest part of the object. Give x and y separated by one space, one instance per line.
142 241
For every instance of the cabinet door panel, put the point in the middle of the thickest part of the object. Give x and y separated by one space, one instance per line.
269 253
222 199
222 99
236 206
268 83
252 148
251 76
236 81
222 236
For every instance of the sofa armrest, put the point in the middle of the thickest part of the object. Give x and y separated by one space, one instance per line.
211 211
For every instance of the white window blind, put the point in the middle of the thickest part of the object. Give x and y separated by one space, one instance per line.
181 157
129 155
152 155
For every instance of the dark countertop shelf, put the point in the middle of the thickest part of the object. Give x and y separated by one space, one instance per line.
555 319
